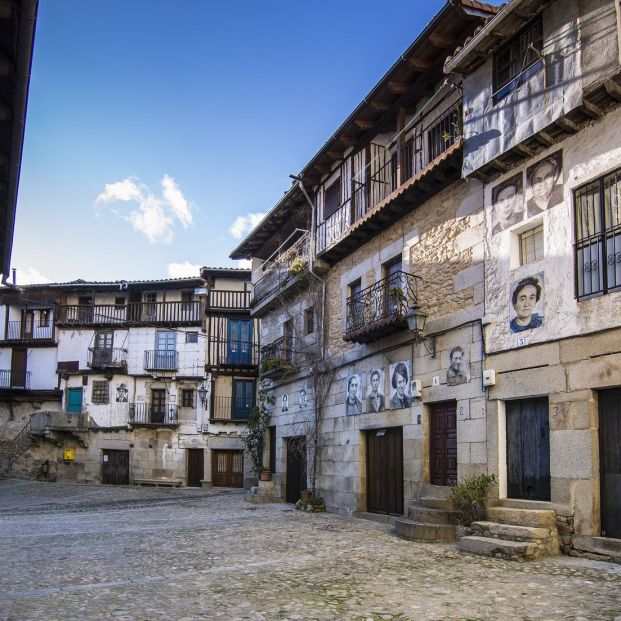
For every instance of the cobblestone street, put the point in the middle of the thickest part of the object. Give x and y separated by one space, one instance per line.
96 552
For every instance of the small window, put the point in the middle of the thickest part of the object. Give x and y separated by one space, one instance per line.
355 306
191 337
44 318
187 298
119 301
518 60
309 320
101 392
187 398
531 246
332 199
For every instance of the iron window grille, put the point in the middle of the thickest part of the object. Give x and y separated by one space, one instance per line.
101 392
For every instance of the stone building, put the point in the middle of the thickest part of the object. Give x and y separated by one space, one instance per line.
116 382
541 87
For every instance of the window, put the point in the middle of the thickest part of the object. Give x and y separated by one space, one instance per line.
243 398
44 319
187 298
150 308
120 301
531 246
187 398
101 392
442 135
332 199
309 320
355 310
191 337
518 60
598 235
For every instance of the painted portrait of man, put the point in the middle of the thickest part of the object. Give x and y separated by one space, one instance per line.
353 403
376 401
527 302
507 204
545 184
458 367
121 393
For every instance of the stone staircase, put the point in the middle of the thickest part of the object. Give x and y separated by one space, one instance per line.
515 530
431 519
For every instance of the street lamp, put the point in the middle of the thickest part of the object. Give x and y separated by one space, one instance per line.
203 393
416 324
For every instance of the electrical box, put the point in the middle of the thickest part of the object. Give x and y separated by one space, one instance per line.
489 377
69 454
416 388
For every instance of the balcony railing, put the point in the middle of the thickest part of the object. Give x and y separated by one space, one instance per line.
20 331
14 379
280 356
231 409
156 360
153 414
232 353
106 358
283 268
135 312
428 138
222 299
381 308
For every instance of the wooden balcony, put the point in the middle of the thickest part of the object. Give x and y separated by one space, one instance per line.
222 300
151 415
14 380
230 410
160 360
402 176
107 358
19 331
232 354
281 357
135 313
380 309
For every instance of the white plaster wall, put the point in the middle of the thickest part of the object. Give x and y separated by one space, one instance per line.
5 358
3 312
587 155
42 366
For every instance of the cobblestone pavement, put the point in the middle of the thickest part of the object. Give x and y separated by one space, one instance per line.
99 552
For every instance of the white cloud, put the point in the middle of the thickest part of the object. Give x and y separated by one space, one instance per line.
245 264
181 270
244 224
29 276
154 216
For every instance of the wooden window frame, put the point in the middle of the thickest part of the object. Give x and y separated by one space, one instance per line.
100 392
333 189
187 397
523 237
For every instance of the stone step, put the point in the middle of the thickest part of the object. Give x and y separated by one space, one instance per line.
424 532
522 517
435 491
510 531
488 546
605 547
433 502
418 512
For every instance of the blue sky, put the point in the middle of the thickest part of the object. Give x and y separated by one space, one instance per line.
155 126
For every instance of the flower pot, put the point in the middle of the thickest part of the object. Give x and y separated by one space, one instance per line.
306 494
265 475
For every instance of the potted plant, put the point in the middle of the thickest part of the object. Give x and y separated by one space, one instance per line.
312 504
298 265
265 474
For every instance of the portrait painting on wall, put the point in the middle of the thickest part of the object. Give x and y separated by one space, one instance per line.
353 401
121 393
507 204
544 184
527 302
376 400
400 376
284 403
302 398
458 365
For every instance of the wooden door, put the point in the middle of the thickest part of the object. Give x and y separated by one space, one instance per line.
239 342
28 324
227 468
243 398
385 471
196 467
528 449
115 467
19 360
158 405
443 443
610 461
85 303
296 469
74 400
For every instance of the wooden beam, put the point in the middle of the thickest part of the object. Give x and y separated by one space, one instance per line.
379 106
334 155
419 64
591 110
523 150
322 169
6 9
498 165
6 65
544 138
441 41
347 141
363 124
398 88
613 89
565 124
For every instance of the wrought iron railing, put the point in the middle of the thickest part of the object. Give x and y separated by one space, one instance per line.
231 408
232 353
134 312
15 379
104 358
153 414
389 298
160 360
25 331
285 266
427 139
22 440
282 353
